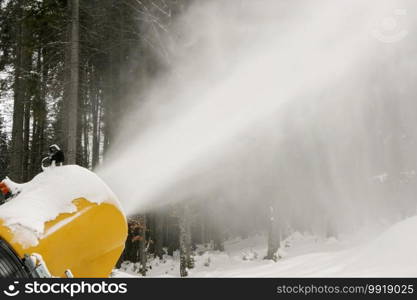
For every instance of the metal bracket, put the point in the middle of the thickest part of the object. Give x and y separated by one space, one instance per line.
36 266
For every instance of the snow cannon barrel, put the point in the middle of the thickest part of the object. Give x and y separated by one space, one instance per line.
66 222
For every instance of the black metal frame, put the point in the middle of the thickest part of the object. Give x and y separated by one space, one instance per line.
11 266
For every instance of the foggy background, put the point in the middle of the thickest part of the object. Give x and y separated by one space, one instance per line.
305 106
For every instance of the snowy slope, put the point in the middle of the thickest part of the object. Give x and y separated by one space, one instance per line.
47 195
391 254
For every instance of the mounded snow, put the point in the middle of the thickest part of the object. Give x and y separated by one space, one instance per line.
391 254
47 195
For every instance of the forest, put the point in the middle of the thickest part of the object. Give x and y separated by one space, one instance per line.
216 123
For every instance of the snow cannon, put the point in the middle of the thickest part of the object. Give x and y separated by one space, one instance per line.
65 222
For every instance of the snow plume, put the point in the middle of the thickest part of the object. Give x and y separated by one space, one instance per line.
301 105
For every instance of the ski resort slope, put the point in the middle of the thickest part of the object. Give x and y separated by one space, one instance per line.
391 254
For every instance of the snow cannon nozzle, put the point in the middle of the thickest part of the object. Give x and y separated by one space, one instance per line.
54 148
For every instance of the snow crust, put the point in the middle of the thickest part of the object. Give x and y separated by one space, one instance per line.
47 195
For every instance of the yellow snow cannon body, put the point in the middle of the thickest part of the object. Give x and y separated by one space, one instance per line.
77 236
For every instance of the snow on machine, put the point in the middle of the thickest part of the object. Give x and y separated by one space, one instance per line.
65 222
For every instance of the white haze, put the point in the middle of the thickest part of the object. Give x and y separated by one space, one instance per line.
309 105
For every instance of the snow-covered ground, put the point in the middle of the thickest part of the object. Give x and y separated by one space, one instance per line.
390 253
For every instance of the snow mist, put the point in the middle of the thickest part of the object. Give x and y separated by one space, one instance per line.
307 106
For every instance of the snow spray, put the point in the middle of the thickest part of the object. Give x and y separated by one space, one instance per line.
304 103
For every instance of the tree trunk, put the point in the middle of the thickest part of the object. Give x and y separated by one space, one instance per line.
188 241
186 260
183 246
203 225
159 235
86 142
4 149
22 61
109 99
218 239
172 231
26 139
95 108
82 123
273 236
39 115
216 230
203 235
142 245
71 111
